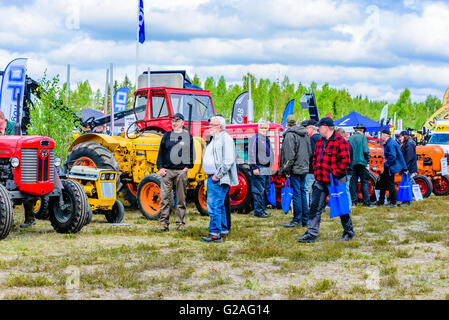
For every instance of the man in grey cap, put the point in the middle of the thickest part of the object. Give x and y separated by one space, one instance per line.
295 157
314 136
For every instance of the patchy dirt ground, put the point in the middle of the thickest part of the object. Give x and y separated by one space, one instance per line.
396 254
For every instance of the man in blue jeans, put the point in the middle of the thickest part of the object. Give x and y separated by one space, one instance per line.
261 158
295 157
220 166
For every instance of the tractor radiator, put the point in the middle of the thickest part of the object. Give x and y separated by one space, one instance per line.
37 165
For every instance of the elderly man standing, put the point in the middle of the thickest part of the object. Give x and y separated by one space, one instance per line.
295 157
176 156
219 163
261 158
331 156
394 163
360 162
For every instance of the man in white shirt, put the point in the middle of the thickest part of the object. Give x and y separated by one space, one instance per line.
220 166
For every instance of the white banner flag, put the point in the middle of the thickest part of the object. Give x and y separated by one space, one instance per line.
13 83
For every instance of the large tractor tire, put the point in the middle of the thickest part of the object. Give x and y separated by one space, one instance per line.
130 194
41 208
73 215
441 185
6 213
241 195
94 155
424 184
201 199
149 196
116 214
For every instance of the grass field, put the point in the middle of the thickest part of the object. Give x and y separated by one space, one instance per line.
396 254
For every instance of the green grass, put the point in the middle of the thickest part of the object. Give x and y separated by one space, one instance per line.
258 259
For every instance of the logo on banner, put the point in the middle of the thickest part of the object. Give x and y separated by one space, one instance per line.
120 99
13 84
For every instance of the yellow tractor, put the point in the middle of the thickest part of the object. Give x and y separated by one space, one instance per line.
100 187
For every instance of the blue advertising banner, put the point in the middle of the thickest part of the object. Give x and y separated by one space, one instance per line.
120 99
13 83
288 111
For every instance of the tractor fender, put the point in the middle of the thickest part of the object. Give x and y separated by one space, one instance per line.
110 142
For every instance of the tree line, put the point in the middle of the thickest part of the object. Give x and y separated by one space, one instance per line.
270 98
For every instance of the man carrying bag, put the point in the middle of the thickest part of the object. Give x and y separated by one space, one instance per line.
331 157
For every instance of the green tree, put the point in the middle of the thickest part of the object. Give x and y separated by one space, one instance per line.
51 118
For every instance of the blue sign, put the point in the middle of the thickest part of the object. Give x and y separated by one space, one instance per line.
120 99
13 84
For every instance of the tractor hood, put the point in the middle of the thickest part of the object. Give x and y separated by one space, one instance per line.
10 146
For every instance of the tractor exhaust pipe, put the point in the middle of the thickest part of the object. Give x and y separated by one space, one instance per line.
190 116
17 126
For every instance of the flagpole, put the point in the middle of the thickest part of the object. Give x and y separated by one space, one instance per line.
105 110
111 84
137 43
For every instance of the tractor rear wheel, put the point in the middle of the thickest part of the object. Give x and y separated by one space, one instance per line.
149 196
441 185
241 195
6 213
94 155
424 184
116 214
201 199
73 214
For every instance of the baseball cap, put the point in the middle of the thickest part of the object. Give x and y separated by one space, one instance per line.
178 115
326 122
291 119
386 131
404 133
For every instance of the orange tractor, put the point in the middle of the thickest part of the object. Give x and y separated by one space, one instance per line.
429 177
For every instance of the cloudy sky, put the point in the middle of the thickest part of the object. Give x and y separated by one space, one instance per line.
375 48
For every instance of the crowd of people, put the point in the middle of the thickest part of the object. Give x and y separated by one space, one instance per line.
311 153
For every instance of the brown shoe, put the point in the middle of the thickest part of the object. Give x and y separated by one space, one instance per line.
163 228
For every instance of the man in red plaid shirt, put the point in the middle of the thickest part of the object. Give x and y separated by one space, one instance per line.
331 156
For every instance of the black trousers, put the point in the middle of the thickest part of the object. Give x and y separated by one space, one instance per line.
386 182
363 173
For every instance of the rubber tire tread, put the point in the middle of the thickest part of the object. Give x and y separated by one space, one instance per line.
6 213
444 193
120 213
428 182
81 215
155 178
197 201
42 213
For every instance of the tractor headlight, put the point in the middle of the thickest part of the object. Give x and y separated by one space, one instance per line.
112 176
14 162
57 161
103 176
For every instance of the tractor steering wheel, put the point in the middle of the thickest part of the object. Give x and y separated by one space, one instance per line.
138 132
89 121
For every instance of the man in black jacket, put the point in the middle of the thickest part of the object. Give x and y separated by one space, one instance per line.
176 156
408 149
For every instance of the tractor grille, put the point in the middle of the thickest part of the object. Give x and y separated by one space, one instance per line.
107 189
37 165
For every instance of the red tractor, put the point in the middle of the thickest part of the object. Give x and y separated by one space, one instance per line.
28 173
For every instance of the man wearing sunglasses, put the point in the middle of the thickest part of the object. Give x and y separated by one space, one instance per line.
176 156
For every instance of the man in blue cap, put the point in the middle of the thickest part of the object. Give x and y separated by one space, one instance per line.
393 163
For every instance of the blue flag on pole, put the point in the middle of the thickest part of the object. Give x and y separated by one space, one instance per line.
141 23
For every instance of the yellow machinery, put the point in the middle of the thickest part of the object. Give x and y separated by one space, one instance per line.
100 187
135 160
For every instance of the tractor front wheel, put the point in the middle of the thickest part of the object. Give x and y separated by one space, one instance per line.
241 196
441 185
116 214
6 213
424 184
149 196
70 215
